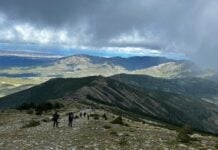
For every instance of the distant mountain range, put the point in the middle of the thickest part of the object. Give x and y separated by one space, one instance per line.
16 61
85 65
31 69
126 94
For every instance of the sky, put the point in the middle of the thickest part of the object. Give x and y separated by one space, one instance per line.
171 28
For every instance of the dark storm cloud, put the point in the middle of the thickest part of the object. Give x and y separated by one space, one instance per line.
48 12
182 26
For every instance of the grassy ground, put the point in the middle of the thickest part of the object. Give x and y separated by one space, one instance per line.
95 133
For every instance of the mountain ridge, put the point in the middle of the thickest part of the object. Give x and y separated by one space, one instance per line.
186 86
98 90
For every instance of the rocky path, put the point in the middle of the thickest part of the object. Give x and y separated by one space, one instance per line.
90 134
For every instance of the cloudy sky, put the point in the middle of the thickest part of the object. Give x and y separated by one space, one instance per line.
174 28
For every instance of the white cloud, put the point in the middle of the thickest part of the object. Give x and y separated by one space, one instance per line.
29 34
131 51
134 37
25 33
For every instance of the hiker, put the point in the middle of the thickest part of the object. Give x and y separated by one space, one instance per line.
70 119
84 114
104 116
81 114
55 118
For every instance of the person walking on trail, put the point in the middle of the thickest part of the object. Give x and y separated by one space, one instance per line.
104 116
70 119
55 118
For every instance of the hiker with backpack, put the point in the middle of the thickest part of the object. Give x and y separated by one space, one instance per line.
81 114
70 119
55 118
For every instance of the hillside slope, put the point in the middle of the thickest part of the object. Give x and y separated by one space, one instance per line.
52 89
167 107
170 70
195 87
91 133
164 106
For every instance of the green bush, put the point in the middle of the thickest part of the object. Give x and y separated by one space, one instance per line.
26 106
183 137
107 127
216 146
187 129
39 113
114 133
32 123
46 120
30 112
119 121
40 107
183 134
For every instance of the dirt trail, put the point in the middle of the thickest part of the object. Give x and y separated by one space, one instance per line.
87 134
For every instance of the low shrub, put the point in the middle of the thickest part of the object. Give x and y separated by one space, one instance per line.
46 120
31 123
40 107
183 137
114 133
26 106
216 146
183 134
30 112
119 121
187 129
39 113
107 127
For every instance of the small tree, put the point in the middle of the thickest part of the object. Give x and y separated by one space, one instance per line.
26 106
